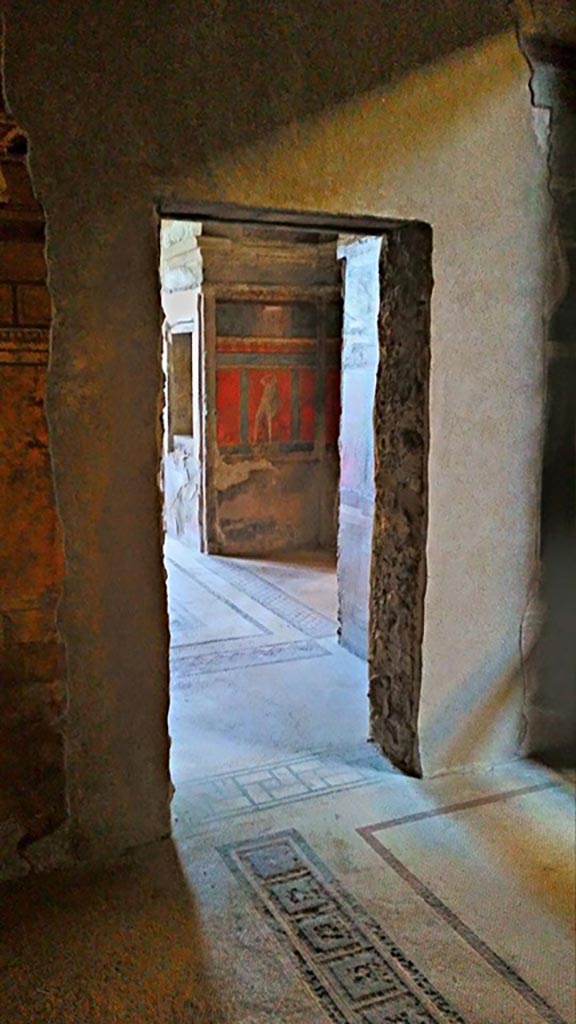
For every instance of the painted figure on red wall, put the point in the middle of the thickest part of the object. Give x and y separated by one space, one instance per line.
268 407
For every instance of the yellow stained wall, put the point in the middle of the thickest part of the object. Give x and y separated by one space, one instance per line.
456 145
418 113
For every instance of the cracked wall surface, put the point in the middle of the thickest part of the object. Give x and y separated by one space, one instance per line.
399 535
423 114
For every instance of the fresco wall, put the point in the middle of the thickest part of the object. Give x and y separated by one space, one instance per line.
276 351
268 386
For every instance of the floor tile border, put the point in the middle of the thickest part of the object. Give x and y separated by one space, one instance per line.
205 823
243 655
292 611
280 801
271 765
413 985
478 945
262 630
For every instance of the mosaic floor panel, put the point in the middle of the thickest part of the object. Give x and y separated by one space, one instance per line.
357 973
194 661
229 794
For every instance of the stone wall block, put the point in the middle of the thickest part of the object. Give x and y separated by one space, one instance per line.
398 577
550 699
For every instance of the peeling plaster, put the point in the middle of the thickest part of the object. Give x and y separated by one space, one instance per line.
230 474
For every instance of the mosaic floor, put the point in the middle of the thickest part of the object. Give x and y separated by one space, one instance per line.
395 902
355 969
307 882
347 892
300 692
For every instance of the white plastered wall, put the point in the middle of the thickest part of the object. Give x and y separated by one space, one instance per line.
454 145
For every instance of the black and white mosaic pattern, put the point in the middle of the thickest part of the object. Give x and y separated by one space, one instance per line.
287 608
246 791
183 619
358 974
225 656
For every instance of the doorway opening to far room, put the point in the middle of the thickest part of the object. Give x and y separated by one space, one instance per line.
271 353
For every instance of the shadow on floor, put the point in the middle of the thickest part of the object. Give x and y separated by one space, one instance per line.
121 945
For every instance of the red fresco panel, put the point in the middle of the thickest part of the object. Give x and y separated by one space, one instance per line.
332 406
228 407
307 402
269 391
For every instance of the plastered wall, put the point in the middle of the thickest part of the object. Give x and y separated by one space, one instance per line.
355 108
356 498
181 279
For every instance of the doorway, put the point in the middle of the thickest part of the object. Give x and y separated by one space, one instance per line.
272 342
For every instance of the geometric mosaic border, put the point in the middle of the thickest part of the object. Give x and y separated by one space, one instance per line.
221 656
259 626
356 971
271 597
518 983
263 787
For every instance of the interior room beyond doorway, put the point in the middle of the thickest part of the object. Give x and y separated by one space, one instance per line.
268 472
265 703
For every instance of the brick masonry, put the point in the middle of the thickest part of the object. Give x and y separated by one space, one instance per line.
32 664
